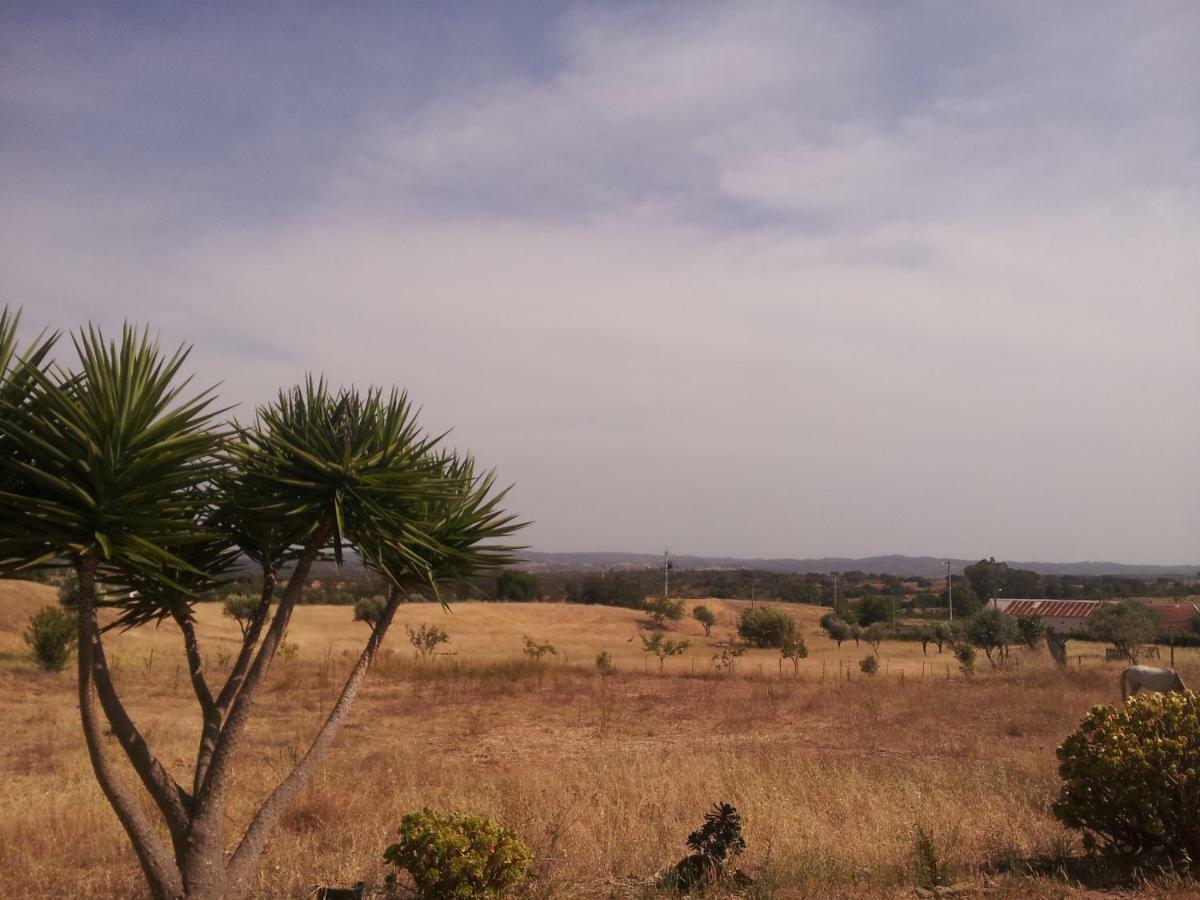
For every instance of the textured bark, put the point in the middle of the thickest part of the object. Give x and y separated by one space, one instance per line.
246 857
161 873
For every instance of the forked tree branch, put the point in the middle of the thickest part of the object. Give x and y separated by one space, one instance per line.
245 858
211 731
160 870
203 859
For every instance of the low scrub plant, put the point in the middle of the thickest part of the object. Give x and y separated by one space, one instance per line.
869 664
457 856
662 648
604 663
1131 776
51 636
426 639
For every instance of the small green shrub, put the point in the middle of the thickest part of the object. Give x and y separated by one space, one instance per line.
965 654
713 844
51 635
1131 776
764 626
426 639
536 649
869 664
458 856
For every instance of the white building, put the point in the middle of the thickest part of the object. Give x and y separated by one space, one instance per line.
1063 616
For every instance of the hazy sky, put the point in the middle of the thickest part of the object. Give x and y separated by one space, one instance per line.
749 279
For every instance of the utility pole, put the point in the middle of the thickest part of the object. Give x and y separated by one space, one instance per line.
949 591
666 576
835 592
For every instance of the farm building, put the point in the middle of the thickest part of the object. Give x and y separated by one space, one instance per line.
1180 618
1063 616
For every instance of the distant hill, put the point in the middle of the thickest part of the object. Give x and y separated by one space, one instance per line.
908 566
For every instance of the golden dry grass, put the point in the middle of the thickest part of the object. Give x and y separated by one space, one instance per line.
603 776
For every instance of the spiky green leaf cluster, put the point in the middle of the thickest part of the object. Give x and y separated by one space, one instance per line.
117 463
106 463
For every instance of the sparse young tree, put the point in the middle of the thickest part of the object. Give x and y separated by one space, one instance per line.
241 608
662 648
1031 630
874 634
924 634
991 631
838 631
794 649
705 617
116 470
536 649
727 658
940 633
425 639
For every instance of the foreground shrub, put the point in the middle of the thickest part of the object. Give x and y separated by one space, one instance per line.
869 665
763 626
713 844
370 609
1131 776
458 855
51 635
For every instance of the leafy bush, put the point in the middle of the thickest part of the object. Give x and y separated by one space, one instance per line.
458 856
965 654
763 626
51 635
718 840
705 617
869 664
1131 776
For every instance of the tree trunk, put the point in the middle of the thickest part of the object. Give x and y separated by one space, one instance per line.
161 873
203 862
246 857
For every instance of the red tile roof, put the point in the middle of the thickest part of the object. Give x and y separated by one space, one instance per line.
1056 609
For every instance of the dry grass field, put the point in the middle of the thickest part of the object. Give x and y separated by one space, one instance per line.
603 776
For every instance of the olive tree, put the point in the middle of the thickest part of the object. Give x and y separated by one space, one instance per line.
1126 625
120 471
